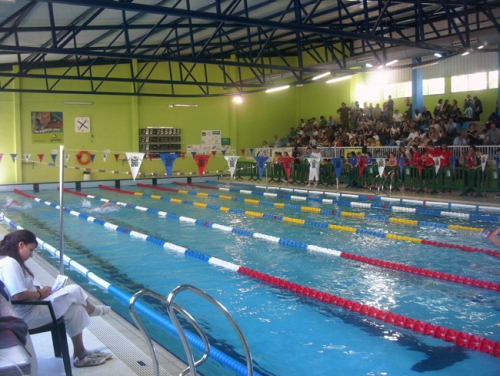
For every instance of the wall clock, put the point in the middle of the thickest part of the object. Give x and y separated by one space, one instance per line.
82 124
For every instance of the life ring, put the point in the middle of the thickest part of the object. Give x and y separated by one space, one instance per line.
80 155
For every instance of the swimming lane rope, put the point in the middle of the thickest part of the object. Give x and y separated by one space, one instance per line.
368 260
303 222
313 210
124 298
459 338
401 209
450 205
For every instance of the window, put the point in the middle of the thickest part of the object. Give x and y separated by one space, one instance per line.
433 86
469 82
493 80
399 90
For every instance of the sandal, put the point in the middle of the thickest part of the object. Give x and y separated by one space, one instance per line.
100 310
99 354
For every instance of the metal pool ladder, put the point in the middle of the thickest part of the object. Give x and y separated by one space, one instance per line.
172 309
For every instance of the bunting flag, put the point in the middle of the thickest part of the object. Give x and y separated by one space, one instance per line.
497 160
40 157
437 163
420 165
168 162
287 163
53 156
242 151
214 152
453 162
233 152
261 164
231 163
13 156
401 163
183 155
92 156
251 151
484 161
27 157
201 162
66 157
117 156
361 165
1 156
337 165
104 156
150 156
380 165
134 161
223 151
193 153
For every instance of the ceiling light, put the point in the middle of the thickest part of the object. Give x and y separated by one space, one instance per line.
368 65
480 47
321 76
182 105
338 79
465 53
437 54
425 65
277 88
238 99
391 63
86 103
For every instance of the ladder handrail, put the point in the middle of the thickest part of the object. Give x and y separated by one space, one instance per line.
171 307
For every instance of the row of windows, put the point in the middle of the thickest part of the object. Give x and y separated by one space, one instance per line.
435 86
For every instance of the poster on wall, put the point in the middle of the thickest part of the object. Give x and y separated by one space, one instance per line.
211 141
47 126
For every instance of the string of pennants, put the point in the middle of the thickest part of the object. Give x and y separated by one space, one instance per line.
135 161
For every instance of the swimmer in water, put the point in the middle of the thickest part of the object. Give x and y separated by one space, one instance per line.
105 205
493 236
12 202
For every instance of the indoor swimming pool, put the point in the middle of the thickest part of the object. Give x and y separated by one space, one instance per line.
319 284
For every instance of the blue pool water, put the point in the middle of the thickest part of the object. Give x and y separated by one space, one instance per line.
288 333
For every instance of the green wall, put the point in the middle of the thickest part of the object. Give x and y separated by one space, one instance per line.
115 123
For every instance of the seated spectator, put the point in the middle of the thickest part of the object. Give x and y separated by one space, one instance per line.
493 135
451 130
472 136
460 140
426 117
397 117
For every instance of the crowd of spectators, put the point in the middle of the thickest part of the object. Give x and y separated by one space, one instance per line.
448 123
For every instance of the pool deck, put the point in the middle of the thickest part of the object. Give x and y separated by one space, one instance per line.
126 342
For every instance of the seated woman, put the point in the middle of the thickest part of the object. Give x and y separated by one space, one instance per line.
71 301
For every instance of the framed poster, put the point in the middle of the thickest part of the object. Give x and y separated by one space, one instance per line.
47 126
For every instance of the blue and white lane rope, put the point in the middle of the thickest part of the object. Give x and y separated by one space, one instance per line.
379 206
124 298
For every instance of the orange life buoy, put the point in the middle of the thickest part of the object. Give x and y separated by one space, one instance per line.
80 155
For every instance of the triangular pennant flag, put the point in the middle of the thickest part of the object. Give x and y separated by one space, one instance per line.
13 156
337 165
116 157
27 157
66 157
361 165
484 160
261 164
54 156
420 165
183 155
134 161
242 151
201 162
437 163
223 151
150 156
214 152
231 163
168 162
287 163
453 162
380 165
92 156
104 157
233 152
401 163
40 157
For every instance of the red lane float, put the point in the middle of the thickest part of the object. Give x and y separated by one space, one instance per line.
115 190
469 341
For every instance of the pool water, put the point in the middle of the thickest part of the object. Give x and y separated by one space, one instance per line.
288 333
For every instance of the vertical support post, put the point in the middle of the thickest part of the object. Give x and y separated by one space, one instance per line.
417 92
61 212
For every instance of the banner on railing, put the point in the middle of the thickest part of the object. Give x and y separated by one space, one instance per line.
261 164
231 163
380 165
